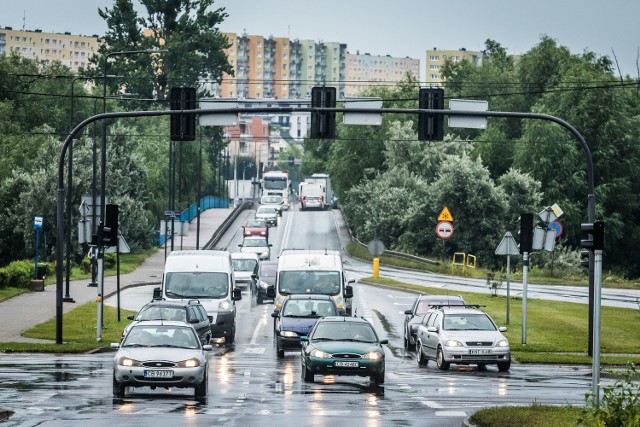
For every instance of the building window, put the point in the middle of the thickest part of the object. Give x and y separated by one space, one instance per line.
24 40
434 58
82 44
285 56
259 44
434 76
284 67
259 55
434 67
46 41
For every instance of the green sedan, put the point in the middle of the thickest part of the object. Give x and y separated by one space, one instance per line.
343 346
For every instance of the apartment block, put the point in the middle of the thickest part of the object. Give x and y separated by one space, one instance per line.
436 58
70 50
365 71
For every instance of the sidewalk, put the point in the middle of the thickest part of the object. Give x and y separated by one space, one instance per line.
25 311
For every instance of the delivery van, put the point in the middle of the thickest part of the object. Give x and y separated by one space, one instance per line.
208 277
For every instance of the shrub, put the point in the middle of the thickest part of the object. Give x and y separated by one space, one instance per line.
620 403
19 274
4 278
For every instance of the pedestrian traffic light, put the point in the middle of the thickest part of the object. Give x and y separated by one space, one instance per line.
323 124
431 126
584 258
595 238
526 232
183 126
111 222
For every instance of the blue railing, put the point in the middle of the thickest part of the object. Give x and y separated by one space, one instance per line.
207 202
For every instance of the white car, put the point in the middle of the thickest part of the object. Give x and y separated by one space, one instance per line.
462 335
256 245
268 214
273 201
245 268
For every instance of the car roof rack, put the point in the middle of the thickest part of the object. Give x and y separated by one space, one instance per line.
477 306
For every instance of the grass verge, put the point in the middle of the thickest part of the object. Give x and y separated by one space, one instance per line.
557 332
531 416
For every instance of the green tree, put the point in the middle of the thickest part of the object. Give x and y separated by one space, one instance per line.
186 29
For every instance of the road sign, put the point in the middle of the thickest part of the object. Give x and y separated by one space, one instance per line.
474 122
38 221
557 227
444 230
508 245
376 247
445 215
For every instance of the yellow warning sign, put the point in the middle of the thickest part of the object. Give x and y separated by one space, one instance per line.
445 215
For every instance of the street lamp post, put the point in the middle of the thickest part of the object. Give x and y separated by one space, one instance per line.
103 182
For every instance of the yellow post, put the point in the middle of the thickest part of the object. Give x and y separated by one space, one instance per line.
376 267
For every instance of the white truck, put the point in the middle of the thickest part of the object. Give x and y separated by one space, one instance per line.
276 183
325 181
311 196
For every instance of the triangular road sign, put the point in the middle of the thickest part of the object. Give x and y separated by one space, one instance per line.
508 245
445 215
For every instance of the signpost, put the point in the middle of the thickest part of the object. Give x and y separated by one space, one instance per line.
508 247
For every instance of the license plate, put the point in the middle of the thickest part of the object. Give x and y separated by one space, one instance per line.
158 374
479 351
346 364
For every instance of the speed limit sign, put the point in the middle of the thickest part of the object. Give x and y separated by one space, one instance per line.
444 229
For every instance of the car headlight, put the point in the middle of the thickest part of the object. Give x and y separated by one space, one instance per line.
126 361
189 363
288 334
453 343
373 355
320 354
224 306
502 343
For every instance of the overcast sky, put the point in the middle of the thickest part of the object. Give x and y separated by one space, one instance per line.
397 28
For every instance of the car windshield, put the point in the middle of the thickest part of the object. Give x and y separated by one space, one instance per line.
256 224
308 308
156 312
252 243
266 210
344 331
271 200
310 282
161 336
424 306
468 322
268 270
244 264
196 285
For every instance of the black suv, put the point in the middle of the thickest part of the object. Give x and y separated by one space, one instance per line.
191 312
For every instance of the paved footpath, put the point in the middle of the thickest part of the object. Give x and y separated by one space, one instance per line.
25 311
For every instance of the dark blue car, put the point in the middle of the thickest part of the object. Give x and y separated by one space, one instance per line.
298 315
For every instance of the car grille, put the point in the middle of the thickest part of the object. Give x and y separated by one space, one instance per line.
158 364
479 343
346 356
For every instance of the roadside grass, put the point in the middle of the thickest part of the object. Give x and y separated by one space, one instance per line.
535 275
128 263
79 328
531 416
557 332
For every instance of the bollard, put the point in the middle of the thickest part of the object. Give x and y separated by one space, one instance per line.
376 267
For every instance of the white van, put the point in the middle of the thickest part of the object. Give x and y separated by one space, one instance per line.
208 277
303 271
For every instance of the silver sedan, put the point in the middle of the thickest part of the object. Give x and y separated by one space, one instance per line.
160 353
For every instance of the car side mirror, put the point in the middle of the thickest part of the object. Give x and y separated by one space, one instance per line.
237 294
270 245
414 328
432 329
240 245
502 329
157 293
408 312
348 291
276 313
351 282
385 341
304 338
131 317
254 276
271 291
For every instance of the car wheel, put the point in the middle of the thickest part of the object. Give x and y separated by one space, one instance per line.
280 353
118 389
504 366
407 344
307 375
259 299
442 365
482 367
422 361
229 339
377 379
201 389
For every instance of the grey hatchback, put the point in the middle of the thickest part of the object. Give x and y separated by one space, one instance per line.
191 312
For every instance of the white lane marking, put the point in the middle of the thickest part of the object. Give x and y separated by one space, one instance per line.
431 404
450 414
256 331
255 350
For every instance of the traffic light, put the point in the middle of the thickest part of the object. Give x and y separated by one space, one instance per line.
595 240
584 258
111 223
431 126
526 232
183 126
323 124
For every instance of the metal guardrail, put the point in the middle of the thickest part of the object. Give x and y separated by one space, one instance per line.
226 224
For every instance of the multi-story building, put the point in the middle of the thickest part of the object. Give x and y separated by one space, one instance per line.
436 59
70 50
364 71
